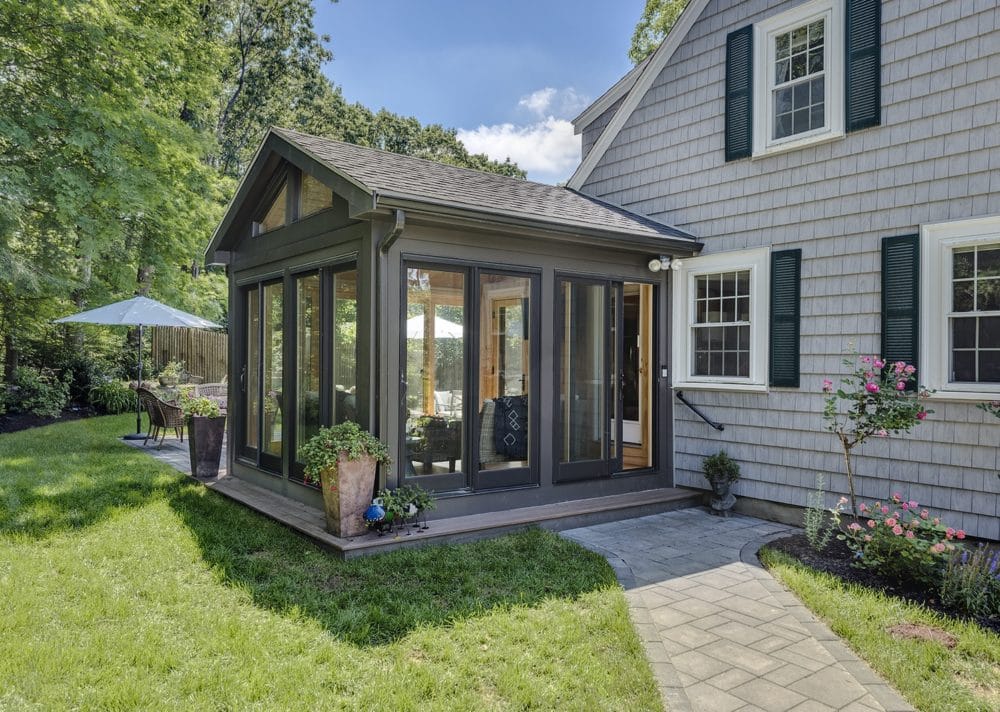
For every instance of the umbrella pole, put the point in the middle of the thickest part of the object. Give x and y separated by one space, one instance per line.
138 406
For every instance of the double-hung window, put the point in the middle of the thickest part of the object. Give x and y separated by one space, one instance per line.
960 284
721 321
798 77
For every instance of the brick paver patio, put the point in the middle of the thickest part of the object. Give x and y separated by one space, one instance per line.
720 633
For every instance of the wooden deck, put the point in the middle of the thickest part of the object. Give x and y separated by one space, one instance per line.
310 522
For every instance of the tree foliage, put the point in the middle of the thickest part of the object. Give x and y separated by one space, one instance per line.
658 18
123 126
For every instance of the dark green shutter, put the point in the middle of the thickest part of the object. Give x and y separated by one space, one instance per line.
786 272
901 298
864 64
739 93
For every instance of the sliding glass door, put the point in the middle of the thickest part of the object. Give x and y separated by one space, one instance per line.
468 377
605 398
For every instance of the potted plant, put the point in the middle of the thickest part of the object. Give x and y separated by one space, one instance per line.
171 373
206 428
343 459
721 471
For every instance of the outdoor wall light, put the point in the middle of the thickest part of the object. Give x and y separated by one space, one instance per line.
663 262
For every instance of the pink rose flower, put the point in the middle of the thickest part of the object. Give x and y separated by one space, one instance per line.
910 535
937 548
882 433
921 414
863 507
913 504
866 359
890 522
909 370
872 524
885 510
898 367
879 363
897 530
827 385
868 537
960 534
897 497
871 387
924 514
905 506
949 532
854 526
901 386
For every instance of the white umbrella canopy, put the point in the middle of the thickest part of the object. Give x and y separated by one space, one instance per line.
443 329
141 312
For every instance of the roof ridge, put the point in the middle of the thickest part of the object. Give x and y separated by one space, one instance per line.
406 156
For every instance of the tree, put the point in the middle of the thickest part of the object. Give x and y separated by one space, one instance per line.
657 20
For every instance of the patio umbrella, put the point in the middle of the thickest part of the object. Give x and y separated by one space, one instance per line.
443 329
141 312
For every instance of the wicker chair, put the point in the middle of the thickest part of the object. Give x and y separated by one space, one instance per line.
162 415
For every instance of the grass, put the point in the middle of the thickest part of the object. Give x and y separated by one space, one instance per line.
126 585
928 674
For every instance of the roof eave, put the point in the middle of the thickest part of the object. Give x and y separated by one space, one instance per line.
643 83
569 232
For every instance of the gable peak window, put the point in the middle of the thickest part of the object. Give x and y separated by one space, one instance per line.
276 215
799 77
313 196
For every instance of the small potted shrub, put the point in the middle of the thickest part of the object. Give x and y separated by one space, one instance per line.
171 373
343 459
721 471
206 428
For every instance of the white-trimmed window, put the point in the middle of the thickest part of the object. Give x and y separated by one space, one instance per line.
799 77
720 321
960 318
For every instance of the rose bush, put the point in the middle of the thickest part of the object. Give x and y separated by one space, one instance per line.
899 538
876 399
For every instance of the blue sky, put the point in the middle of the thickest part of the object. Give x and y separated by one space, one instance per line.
507 74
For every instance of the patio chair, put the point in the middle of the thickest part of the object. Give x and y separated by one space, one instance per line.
162 415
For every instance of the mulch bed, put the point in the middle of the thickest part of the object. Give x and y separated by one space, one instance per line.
13 422
836 559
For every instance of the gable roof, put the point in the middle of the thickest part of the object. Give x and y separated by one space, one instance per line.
606 100
636 91
381 179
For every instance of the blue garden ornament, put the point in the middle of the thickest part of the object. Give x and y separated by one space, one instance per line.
375 518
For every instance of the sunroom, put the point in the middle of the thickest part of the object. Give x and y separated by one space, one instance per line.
507 340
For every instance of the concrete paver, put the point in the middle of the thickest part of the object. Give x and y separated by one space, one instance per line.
720 633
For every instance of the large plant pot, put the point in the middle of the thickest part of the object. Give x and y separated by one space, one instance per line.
347 492
205 444
722 501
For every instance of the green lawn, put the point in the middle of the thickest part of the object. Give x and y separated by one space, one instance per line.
125 585
929 675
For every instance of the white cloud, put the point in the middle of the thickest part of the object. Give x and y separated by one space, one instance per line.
545 147
563 103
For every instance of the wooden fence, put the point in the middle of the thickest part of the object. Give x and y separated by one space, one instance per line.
204 353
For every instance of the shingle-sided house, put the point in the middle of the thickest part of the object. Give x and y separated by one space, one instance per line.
504 338
840 162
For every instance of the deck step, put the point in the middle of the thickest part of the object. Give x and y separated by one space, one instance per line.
310 521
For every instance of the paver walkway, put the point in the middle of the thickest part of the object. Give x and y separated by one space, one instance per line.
720 633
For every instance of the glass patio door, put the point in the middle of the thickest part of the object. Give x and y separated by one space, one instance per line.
604 337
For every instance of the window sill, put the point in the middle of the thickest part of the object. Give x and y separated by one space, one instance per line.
720 386
964 396
780 148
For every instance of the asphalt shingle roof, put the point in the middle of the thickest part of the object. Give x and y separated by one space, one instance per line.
396 175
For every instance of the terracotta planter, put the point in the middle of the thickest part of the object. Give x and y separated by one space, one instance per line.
347 492
205 444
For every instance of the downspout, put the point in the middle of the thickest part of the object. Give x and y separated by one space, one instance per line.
385 242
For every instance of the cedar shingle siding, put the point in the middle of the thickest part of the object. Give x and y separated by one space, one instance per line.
935 157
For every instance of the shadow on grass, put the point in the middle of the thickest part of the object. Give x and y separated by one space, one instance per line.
379 599
73 475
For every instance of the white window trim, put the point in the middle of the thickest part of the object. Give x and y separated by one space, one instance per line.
758 262
763 76
937 242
